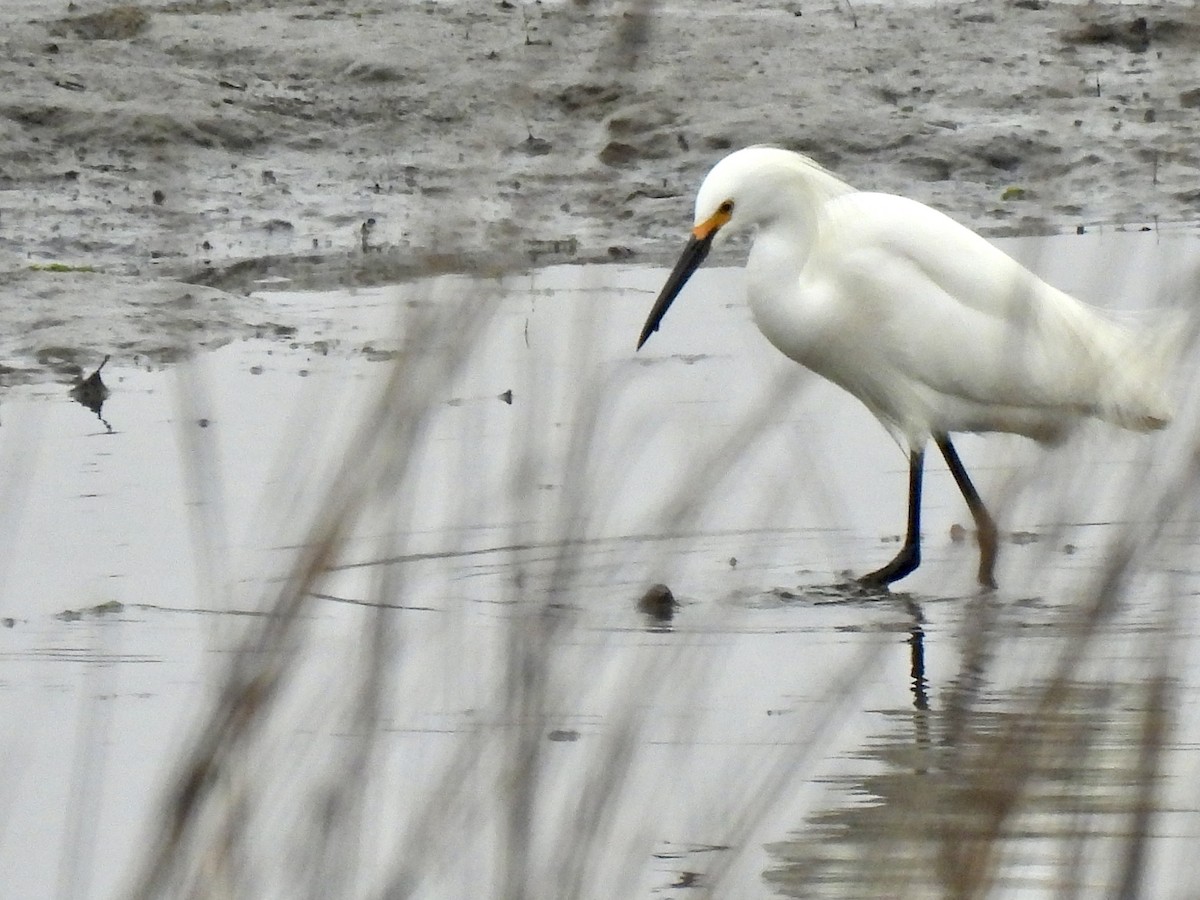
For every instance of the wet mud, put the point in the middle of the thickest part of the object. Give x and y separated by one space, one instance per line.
161 160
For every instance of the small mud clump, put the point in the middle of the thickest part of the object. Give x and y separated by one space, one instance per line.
659 603
117 24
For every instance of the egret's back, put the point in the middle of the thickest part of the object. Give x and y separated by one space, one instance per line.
937 330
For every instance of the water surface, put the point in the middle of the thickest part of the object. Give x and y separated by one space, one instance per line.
780 731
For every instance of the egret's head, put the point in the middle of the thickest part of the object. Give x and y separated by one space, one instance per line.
747 188
752 186
736 191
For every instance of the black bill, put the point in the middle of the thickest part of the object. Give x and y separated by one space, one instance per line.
689 262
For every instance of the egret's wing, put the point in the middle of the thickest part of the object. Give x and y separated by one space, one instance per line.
960 317
959 262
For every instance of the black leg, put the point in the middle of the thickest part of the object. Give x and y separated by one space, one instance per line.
909 556
985 528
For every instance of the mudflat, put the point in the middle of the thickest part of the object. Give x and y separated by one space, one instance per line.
159 160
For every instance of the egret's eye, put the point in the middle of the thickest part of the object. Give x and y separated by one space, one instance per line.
725 208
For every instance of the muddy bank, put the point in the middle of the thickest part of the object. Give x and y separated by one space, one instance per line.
336 142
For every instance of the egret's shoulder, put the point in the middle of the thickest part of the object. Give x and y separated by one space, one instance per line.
905 225
921 258
875 206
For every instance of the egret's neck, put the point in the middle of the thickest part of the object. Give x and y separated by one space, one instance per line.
774 275
778 256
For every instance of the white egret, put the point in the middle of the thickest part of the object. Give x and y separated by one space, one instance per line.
924 321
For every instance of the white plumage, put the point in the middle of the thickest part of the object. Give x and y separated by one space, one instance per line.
928 324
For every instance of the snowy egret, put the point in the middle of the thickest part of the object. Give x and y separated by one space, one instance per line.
929 325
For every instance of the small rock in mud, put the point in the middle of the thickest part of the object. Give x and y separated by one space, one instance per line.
1133 35
658 602
618 154
117 24
581 96
534 146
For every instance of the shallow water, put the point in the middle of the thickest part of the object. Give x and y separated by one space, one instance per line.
780 729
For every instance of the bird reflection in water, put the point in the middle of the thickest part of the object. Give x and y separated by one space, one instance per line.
916 645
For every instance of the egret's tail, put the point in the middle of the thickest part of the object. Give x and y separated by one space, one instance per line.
1137 397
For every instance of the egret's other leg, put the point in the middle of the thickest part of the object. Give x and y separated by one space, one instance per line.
985 528
909 556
